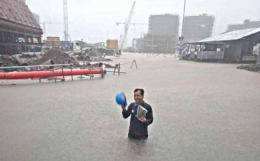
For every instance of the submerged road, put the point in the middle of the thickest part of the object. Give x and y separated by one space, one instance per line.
202 111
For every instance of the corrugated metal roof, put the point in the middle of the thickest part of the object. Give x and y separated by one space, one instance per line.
17 11
233 35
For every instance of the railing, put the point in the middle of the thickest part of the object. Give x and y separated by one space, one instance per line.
117 68
210 55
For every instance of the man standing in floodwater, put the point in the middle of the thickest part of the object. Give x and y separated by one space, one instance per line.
138 126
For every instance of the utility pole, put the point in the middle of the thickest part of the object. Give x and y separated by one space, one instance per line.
181 37
44 31
65 19
183 19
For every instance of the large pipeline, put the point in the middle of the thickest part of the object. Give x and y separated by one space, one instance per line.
46 74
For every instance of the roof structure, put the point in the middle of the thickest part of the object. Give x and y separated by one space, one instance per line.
16 11
233 35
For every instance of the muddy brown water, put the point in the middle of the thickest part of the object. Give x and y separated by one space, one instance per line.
202 111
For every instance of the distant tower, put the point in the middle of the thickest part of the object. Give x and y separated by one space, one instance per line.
65 19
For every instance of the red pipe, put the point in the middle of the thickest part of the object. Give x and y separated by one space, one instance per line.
45 74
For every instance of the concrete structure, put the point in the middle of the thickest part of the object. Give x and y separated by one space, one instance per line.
196 28
138 44
246 25
19 31
162 34
235 46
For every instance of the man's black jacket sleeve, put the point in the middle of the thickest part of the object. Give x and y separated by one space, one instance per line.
149 115
127 113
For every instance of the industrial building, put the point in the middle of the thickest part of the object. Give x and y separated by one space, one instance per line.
19 30
162 34
246 25
138 44
235 46
197 27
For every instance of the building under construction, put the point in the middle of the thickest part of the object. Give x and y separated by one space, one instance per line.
197 27
137 44
162 34
19 30
246 25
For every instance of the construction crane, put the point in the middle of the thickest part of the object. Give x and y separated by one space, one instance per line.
65 22
50 23
123 23
44 27
127 25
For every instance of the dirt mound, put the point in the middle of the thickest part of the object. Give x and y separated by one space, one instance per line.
57 56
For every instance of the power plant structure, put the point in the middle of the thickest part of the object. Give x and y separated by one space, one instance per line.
197 27
246 25
162 34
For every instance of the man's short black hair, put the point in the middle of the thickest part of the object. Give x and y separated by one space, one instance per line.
139 89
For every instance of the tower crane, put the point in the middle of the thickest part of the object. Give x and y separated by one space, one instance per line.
50 23
65 22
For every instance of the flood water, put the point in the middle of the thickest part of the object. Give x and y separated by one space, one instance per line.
202 111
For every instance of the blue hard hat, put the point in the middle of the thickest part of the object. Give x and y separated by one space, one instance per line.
121 98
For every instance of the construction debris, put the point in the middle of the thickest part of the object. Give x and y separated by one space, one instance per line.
8 61
25 59
252 68
99 64
101 59
94 65
55 57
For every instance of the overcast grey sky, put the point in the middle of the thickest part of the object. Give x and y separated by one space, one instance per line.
95 20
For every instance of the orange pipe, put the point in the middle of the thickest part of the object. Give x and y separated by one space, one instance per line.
46 74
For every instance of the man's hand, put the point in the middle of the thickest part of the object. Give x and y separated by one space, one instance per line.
143 120
123 108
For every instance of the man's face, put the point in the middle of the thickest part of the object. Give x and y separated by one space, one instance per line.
138 97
